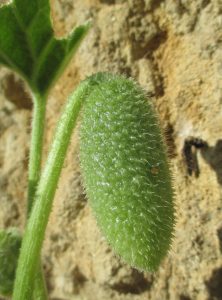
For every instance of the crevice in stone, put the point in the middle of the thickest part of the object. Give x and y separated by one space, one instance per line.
137 284
14 90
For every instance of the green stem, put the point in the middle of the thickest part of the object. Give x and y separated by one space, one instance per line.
35 156
40 290
35 229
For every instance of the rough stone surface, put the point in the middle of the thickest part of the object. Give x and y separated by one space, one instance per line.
173 48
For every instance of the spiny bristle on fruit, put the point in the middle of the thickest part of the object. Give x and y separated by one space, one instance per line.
125 170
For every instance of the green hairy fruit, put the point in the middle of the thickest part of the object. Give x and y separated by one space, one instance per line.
10 243
125 170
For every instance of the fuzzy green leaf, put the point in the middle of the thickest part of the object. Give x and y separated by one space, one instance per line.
28 45
10 243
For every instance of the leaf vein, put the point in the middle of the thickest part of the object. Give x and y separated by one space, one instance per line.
42 56
21 25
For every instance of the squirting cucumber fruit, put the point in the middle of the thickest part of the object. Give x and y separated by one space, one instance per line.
125 170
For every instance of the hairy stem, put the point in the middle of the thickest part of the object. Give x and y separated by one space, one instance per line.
40 290
35 229
35 156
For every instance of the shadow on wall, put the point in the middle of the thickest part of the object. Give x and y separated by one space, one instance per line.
213 156
214 285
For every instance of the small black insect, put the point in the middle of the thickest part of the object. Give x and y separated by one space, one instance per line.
190 147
